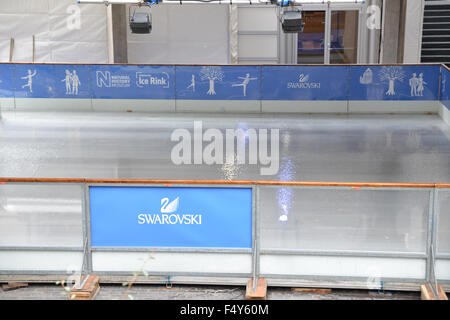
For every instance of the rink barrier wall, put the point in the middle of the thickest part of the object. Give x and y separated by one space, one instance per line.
194 258
223 88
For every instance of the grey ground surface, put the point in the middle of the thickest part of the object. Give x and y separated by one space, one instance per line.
356 148
181 292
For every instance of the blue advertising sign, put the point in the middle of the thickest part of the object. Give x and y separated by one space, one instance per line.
171 217
6 81
52 81
394 82
445 88
133 82
304 83
218 82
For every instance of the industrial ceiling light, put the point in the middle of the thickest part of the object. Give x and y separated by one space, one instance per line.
292 22
140 22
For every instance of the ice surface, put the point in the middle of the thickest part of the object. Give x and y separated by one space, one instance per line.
369 148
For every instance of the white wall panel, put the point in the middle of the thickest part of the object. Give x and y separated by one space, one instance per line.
258 34
258 19
258 46
183 34
57 37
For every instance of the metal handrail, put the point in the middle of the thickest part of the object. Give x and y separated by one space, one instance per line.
228 182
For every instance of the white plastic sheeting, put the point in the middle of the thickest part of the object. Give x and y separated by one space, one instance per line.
183 34
64 31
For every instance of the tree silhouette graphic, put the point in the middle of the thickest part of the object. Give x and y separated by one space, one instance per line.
212 74
392 74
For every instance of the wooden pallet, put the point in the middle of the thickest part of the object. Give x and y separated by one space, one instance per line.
89 290
311 290
261 290
427 293
14 285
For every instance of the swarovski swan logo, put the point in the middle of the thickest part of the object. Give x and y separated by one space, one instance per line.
303 78
167 207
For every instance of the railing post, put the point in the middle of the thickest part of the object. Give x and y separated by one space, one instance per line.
88 228
256 239
431 241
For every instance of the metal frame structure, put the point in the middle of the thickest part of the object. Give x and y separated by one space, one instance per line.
430 255
328 8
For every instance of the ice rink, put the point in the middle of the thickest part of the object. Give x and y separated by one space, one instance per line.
346 148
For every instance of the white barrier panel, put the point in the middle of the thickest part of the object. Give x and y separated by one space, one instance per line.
6 104
252 106
402 106
65 261
444 113
331 266
304 106
442 269
135 105
168 262
358 220
443 222
41 215
53 104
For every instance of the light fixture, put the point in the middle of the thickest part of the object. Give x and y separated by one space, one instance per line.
140 22
292 22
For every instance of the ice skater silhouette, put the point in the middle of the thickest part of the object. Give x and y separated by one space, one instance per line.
30 80
244 84
192 85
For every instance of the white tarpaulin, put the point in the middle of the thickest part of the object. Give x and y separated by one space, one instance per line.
183 34
64 31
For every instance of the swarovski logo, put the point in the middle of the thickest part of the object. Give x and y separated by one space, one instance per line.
170 219
303 83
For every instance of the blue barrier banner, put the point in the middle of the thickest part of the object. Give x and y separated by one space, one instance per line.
445 88
394 82
52 81
218 82
171 217
133 82
304 83
6 81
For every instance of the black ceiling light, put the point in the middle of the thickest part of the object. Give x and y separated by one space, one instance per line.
140 22
292 22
